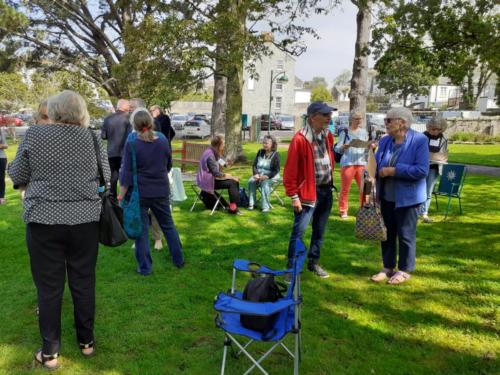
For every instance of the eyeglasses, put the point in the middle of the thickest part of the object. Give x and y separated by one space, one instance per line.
389 120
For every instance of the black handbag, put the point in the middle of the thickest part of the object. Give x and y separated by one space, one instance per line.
337 155
111 231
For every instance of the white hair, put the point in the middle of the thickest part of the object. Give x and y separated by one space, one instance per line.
402 113
136 111
68 107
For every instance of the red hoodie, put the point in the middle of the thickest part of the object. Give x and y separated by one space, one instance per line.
298 176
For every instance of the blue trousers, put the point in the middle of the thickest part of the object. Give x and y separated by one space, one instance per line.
161 209
401 225
319 215
265 187
431 180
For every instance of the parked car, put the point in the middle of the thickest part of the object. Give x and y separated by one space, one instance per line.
202 116
6 120
341 122
178 121
196 128
287 122
275 123
21 130
375 125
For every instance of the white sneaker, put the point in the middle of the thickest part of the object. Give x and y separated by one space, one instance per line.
250 208
158 245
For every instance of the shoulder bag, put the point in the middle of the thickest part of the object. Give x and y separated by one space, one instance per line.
111 231
369 221
131 204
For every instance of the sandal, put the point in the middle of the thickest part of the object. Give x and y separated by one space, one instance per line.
42 361
399 278
90 345
384 274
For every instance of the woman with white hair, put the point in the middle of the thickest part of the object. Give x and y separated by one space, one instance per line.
353 160
402 167
57 163
438 151
154 161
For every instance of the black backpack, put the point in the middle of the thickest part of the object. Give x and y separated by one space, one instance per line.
262 289
337 155
244 200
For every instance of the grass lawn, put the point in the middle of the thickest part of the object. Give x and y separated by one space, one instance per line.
475 154
445 320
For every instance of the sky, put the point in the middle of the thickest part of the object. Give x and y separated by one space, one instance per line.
334 52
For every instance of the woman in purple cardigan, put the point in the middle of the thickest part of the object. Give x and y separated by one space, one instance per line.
154 161
210 175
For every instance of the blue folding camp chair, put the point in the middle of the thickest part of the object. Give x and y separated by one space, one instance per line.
230 306
276 183
451 184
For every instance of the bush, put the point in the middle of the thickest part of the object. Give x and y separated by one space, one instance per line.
473 137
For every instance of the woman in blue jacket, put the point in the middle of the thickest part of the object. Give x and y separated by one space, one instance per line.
402 167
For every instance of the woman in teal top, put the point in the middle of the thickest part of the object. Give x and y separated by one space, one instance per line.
266 169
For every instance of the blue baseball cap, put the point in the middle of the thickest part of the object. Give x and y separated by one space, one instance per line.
319 107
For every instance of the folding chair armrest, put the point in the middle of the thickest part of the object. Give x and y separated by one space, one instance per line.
248 266
229 304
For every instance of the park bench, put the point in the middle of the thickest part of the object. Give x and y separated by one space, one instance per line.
189 154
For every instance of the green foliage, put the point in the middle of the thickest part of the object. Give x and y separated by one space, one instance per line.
443 321
404 75
316 82
461 40
321 93
473 137
12 91
344 78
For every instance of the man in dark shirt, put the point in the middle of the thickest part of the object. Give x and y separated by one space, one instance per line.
115 129
162 123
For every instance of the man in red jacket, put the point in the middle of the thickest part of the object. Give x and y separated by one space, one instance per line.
308 180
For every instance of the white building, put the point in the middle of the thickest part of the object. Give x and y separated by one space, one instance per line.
257 93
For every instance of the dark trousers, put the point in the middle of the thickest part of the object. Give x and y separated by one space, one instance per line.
3 165
54 251
319 215
114 166
401 225
233 188
161 209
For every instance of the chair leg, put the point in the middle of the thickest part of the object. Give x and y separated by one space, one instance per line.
194 203
448 207
215 206
227 342
460 205
278 198
296 357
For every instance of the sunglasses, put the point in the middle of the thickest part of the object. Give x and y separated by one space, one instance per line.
389 120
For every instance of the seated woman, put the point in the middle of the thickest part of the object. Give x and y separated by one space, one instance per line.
266 169
210 175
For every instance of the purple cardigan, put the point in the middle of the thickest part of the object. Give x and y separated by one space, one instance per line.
204 179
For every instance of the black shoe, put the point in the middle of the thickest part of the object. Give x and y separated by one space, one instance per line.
317 269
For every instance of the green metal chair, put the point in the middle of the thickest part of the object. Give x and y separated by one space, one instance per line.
451 184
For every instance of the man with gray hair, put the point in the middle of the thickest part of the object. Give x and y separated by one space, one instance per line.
116 128
308 180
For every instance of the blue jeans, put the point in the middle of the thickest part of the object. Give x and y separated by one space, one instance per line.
401 226
431 180
161 209
319 214
265 188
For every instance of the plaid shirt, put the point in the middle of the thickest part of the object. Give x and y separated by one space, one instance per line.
322 167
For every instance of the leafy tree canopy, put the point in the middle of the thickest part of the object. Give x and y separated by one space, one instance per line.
321 93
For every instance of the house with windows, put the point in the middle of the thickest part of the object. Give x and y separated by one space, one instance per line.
265 87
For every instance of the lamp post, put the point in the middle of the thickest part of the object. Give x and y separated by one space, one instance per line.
282 78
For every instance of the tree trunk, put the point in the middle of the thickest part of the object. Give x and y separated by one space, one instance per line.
359 79
234 151
234 99
219 99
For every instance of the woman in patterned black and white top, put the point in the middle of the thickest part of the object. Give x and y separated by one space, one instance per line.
58 165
